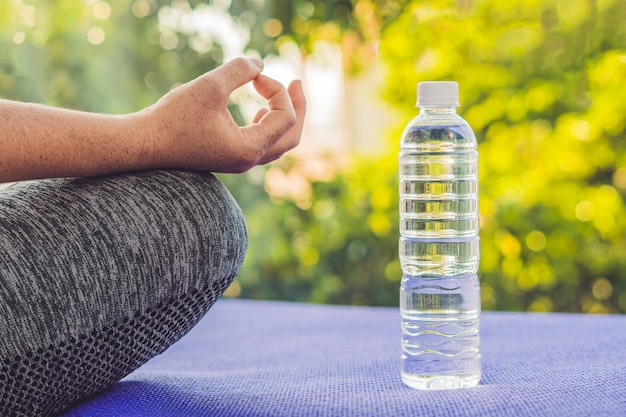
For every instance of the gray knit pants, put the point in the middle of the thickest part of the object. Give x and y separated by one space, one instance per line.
99 275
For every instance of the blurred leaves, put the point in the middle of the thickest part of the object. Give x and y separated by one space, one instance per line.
336 244
107 56
542 83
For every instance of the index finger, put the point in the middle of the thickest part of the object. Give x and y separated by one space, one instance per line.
280 117
291 139
231 75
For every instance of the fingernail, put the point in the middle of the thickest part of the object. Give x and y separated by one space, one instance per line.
258 62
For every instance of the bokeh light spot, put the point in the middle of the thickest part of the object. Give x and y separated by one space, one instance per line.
585 211
19 38
102 10
581 129
273 28
536 241
619 178
96 36
141 8
602 289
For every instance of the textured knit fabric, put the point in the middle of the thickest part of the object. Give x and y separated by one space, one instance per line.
277 359
99 275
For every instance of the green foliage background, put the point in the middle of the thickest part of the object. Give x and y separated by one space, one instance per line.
543 83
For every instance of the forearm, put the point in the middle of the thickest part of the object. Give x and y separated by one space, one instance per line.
41 142
188 128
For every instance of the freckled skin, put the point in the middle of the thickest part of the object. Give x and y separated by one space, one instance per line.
190 127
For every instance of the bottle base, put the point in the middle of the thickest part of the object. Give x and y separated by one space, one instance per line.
440 382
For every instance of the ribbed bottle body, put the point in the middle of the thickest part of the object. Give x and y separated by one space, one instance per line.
439 252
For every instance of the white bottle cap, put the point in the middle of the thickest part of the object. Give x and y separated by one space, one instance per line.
438 94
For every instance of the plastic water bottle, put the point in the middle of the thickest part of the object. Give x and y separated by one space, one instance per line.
439 246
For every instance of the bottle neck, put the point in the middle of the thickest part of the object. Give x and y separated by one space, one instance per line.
439 111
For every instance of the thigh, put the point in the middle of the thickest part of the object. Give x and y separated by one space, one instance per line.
99 275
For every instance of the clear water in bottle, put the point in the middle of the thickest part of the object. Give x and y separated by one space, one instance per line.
439 247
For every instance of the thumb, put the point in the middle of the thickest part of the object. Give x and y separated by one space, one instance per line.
235 73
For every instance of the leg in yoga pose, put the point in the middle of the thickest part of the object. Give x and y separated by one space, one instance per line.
104 269
99 275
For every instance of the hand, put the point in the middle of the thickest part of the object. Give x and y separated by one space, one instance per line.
192 127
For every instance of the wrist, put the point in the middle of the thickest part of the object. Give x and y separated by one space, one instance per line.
151 138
